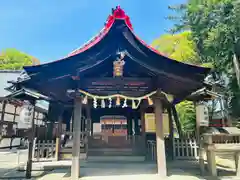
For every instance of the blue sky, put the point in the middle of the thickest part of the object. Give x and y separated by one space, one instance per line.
50 29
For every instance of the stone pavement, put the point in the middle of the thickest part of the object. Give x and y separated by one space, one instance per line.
9 161
111 171
177 170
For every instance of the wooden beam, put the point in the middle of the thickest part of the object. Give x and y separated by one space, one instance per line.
75 168
160 144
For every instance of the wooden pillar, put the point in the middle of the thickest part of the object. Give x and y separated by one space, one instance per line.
171 133
200 142
68 124
15 113
75 168
222 112
210 155
89 124
201 156
136 126
177 121
50 131
142 116
4 103
161 157
130 125
197 123
237 163
143 129
30 145
58 137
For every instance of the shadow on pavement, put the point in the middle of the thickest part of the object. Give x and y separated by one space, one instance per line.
15 174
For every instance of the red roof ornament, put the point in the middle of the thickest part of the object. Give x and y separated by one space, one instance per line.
118 13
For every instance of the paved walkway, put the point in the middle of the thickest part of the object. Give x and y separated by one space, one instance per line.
9 161
111 171
177 170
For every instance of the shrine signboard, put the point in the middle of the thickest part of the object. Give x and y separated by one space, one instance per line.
202 115
124 86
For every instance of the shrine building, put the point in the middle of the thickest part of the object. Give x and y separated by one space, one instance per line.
112 81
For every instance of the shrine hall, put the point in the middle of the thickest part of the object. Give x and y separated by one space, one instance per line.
114 77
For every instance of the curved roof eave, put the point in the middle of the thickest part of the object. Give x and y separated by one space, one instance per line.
117 14
120 14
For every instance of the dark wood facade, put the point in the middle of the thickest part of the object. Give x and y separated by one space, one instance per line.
115 71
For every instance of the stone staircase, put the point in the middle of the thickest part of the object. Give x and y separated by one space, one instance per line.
114 149
115 155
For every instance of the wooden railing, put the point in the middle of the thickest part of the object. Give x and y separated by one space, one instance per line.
151 150
182 149
44 150
9 143
218 143
226 138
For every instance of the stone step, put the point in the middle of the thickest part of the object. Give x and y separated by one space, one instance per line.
113 153
115 159
68 156
112 149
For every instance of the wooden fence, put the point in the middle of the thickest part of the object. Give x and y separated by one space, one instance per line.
187 147
44 150
226 138
182 149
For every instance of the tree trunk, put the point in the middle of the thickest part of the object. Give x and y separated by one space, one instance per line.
236 68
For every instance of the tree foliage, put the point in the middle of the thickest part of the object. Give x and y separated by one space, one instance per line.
12 59
215 31
187 115
179 47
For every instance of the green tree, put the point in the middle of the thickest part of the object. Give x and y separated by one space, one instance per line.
177 46
215 30
180 47
12 59
187 115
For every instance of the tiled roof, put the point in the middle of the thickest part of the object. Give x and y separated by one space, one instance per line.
5 76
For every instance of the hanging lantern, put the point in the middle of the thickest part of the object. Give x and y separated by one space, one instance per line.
95 102
124 104
110 102
118 101
118 65
150 101
85 100
103 103
134 105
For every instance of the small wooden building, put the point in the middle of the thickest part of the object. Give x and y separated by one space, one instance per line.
115 73
10 124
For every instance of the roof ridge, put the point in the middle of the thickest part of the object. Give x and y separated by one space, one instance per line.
10 71
86 43
117 13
